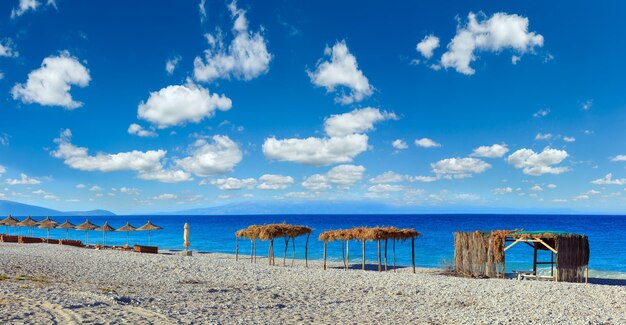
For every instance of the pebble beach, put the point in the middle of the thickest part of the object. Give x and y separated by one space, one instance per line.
45 284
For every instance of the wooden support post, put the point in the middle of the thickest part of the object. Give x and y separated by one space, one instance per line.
551 263
587 274
236 248
306 251
269 253
293 249
504 266
285 254
363 254
394 255
413 252
324 255
251 251
379 264
347 254
535 259
343 253
386 254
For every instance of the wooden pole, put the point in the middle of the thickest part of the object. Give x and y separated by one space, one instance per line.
394 255
534 258
587 274
552 264
386 254
269 253
306 251
363 254
413 252
343 253
347 254
273 259
293 249
324 255
236 247
251 251
285 254
379 265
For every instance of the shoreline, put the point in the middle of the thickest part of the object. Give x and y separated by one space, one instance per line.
42 283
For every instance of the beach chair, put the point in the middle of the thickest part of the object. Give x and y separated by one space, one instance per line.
146 249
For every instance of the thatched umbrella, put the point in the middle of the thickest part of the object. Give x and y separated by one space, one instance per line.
105 228
127 228
9 222
67 226
48 224
87 226
149 226
30 223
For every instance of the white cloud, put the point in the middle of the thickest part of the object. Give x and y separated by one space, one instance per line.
459 167
543 136
342 176
301 195
542 113
569 139
130 190
581 197
2 170
341 71
378 188
426 143
356 121
246 57
231 183
428 45
551 185
80 186
147 164
178 104
502 190
316 151
4 139
274 182
608 180
399 144
165 196
536 164
501 31
7 49
388 177
50 84
422 179
587 105
202 10
493 151
96 188
208 159
170 64
23 180
619 158
138 130
29 5
591 192
536 188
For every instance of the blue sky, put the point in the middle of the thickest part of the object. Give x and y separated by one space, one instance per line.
167 105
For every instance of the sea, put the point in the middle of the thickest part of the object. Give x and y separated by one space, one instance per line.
433 249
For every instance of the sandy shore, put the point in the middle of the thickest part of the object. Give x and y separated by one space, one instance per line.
44 284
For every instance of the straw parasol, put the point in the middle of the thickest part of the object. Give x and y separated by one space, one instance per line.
186 236
67 225
47 224
127 228
30 223
105 228
87 226
149 226
9 222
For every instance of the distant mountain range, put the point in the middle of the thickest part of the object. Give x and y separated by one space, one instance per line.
21 209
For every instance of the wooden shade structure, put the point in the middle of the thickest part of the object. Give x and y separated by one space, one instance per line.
149 226
105 228
364 234
127 228
9 222
29 223
67 225
271 232
87 226
47 224
482 254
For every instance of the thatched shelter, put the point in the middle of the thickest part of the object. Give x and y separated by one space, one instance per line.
29 223
271 232
67 225
482 254
105 228
47 224
127 228
87 226
364 234
9 222
149 227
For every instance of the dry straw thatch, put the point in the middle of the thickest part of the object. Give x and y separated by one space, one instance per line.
271 232
364 234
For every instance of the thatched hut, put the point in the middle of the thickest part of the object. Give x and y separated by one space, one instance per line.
482 254
364 234
271 232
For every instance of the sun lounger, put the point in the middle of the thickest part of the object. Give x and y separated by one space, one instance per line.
30 240
146 249
528 275
9 239
71 242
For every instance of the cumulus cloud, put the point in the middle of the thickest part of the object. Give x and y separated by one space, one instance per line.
50 84
165 196
388 177
538 163
342 176
459 167
569 139
543 136
246 57
619 158
130 190
231 183
147 164
29 5
493 151
23 180
274 182
7 49
426 143
399 144
551 185
138 130
212 158
96 188
356 121
608 180
170 64
341 70
502 190
422 179
383 188
178 104
497 33
536 188
427 45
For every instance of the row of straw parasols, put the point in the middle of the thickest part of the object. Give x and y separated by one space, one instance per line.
86 226
271 232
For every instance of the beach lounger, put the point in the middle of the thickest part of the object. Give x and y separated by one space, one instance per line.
146 249
528 275
9 239
30 240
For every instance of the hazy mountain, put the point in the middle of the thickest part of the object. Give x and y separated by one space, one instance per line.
21 209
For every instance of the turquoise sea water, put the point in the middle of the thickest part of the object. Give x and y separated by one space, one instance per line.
433 249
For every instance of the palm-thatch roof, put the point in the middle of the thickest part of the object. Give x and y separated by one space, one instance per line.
28 222
149 226
105 227
9 221
272 231
368 233
87 225
47 224
66 225
127 227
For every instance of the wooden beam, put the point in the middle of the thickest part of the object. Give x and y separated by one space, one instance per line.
512 244
547 246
